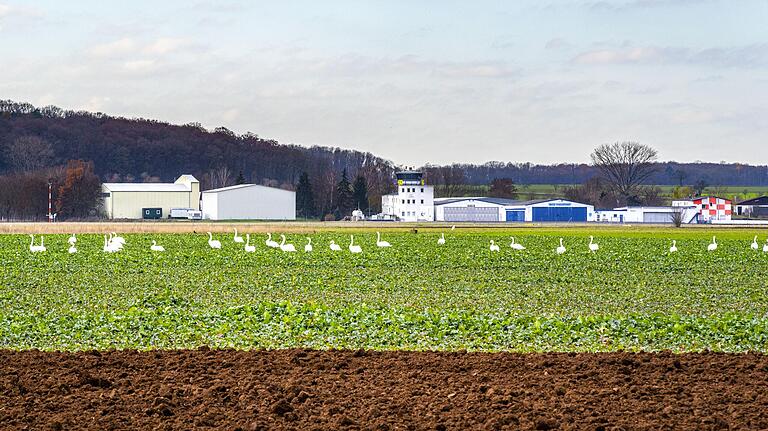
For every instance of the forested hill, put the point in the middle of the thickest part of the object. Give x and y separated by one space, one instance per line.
124 149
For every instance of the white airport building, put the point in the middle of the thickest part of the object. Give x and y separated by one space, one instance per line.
149 200
485 209
248 202
413 201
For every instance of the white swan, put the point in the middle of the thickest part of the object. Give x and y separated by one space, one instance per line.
516 245
673 249
561 249
593 247
155 247
352 247
441 241
754 245
270 243
109 246
117 245
213 243
453 227
72 249
32 246
494 246
238 238
308 247
380 243
248 247
713 246
286 247
118 239
334 246
72 240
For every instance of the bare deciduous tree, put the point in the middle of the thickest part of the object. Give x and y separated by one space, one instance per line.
220 177
30 153
626 165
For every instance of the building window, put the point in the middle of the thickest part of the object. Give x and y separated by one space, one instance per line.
422 189
422 201
403 200
402 189
403 213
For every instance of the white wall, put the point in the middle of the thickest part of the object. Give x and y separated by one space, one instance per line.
128 205
440 209
252 202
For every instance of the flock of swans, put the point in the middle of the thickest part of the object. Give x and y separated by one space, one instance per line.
115 243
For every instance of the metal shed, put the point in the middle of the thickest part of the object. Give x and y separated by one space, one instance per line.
249 202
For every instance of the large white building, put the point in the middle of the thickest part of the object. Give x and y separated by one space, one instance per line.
249 202
710 208
661 215
414 200
484 209
149 200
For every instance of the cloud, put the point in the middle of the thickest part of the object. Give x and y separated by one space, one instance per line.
8 12
748 56
118 47
139 65
164 45
618 6
128 46
558 44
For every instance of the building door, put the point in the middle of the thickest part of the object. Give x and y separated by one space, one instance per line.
560 214
476 214
516 215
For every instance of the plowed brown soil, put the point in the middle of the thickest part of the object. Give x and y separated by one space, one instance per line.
299 389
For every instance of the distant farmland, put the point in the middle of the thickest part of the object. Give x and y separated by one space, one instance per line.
546 191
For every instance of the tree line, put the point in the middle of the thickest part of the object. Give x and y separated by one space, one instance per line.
36 140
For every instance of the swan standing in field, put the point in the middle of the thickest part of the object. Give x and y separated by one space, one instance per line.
380 243
248 247
713 246
286 247
673 249
453 227
72 240
494 246
561 249
118 239
334 246
109 246
516 245
72 249
270 243
754 245
593 247
238 238
213 243
441 240
352 247
116 245
36 248
155 247
308 247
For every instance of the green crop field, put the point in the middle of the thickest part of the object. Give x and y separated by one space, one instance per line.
630 295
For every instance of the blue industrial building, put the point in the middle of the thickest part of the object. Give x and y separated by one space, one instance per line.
484 209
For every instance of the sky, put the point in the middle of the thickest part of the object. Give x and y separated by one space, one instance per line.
431 81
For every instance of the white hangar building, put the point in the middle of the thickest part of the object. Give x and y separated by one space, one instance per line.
484 209
149 200
248 202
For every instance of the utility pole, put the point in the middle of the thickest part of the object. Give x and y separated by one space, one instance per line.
50 195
